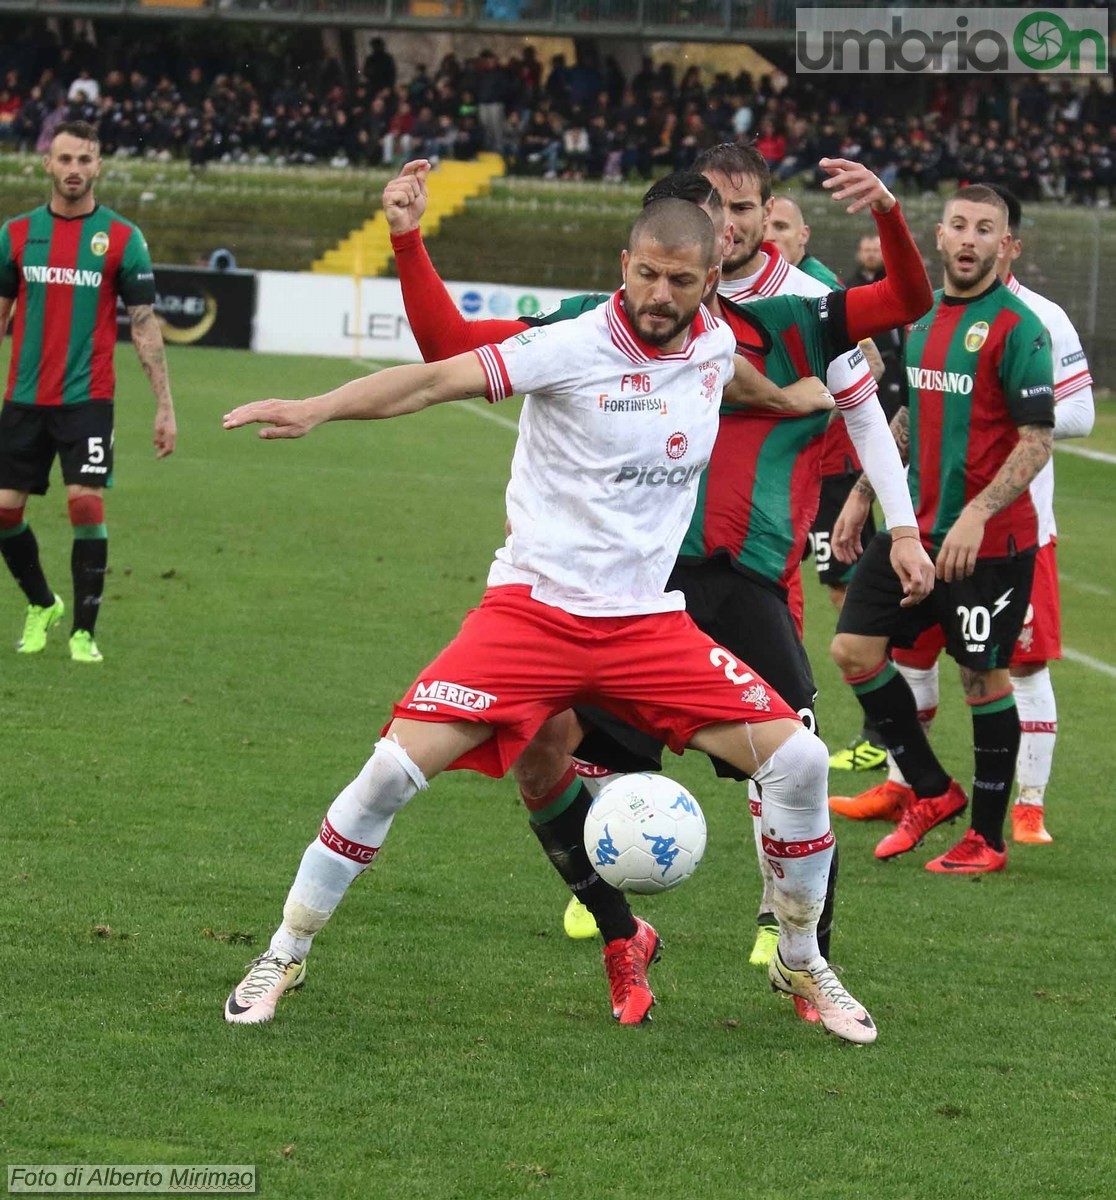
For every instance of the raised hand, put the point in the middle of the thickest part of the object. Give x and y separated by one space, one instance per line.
405 197
849 180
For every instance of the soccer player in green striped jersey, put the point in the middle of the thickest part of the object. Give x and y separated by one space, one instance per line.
980 427
62 268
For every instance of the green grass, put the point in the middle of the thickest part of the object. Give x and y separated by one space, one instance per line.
266 604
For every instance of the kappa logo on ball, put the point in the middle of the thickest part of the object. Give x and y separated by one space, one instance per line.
676 445
429 697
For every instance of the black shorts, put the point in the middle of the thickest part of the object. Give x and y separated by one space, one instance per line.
981 616
30 437
750 620
834 492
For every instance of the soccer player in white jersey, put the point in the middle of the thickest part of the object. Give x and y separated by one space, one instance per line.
576 604
1040 641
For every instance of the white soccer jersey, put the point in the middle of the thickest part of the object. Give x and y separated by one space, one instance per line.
613 439
1071 379
775 278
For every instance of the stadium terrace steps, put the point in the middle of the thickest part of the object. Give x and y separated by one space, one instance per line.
367 250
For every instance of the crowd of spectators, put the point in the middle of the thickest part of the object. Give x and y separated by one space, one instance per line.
585 119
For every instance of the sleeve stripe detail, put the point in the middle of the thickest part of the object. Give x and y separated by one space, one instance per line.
864 389
1075 383
495 373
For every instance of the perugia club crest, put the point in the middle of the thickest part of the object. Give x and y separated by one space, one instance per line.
676 445
976 337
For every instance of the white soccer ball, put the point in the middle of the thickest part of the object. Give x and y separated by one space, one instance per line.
644 833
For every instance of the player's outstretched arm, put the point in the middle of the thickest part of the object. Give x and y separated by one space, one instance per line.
393 392
904 294
961 545
147 338
5 312
749 388
439 328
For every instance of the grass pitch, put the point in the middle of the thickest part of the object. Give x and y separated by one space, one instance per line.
266 603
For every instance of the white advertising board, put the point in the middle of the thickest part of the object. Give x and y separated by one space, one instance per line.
334 316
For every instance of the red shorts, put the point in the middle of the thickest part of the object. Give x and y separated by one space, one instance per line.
1040 640
517 662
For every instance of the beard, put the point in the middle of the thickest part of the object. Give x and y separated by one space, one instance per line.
72 193
742 252
979 271
658 335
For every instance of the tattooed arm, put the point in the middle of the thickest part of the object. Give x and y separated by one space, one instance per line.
148 341
958 556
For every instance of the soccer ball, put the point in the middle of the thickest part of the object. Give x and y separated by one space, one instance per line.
644 833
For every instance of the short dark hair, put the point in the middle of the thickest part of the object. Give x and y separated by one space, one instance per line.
737 162
77 129
1014 207
684 185
979 193
675 223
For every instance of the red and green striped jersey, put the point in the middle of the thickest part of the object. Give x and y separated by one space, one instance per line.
759 495
977 369
65 274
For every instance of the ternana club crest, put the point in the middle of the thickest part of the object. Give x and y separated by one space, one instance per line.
976 337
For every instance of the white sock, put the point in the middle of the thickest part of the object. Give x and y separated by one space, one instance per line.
797 841
1038 725
590 776
923 682
755 805
351 835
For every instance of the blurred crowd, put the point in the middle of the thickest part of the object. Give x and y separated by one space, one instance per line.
1045 138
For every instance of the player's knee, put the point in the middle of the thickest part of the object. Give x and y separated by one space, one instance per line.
10 519
850 654
797 773
86 510
387 781
538 771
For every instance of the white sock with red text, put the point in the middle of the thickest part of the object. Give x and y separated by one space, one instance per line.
797 841
594 778
1038 729
351 835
